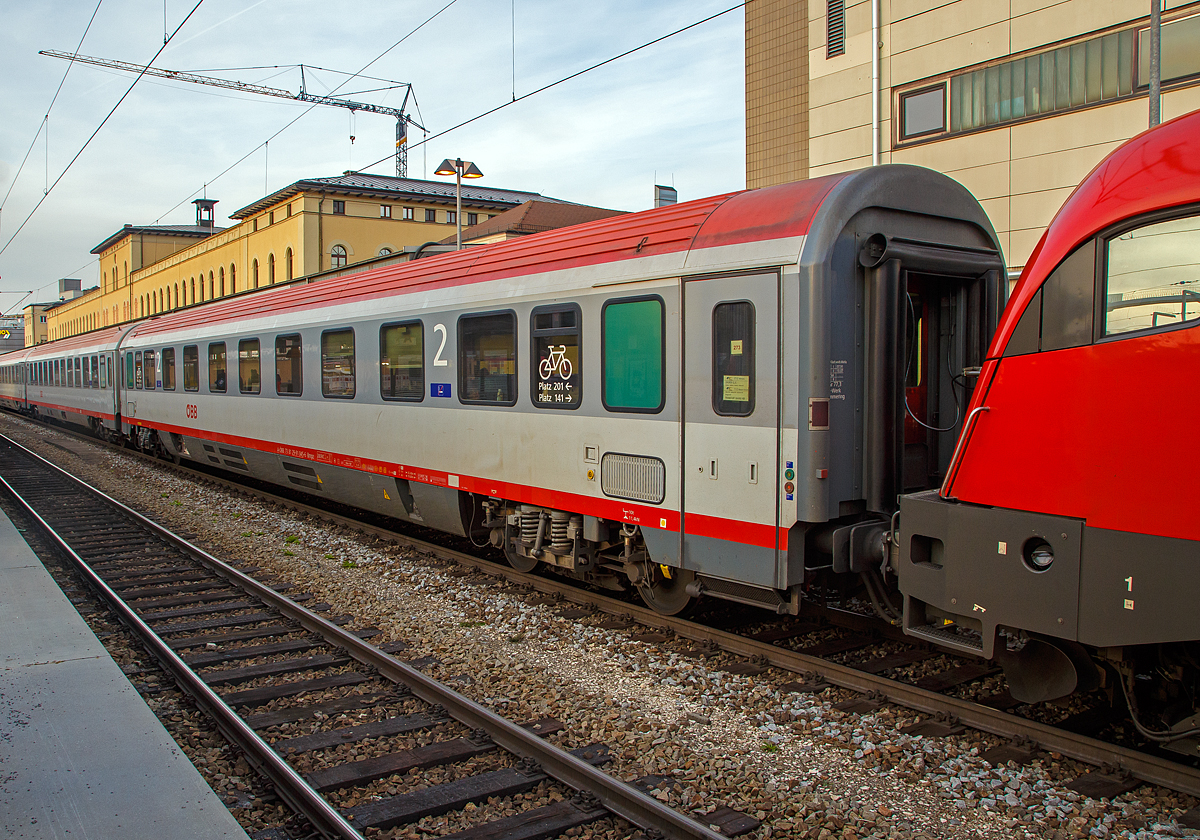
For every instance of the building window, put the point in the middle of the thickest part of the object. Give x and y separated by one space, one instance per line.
337 364
254 223
254 273
289 211
337 256
270 269
923 112
288 266
451 217
212 286
385 211
271 218
221 273
339 208
1178 54
384 251
431 215
232 279
408 214
472 219
835 28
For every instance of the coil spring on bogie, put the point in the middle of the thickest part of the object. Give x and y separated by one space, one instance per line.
560 543
530 518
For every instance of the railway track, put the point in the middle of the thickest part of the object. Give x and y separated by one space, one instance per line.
251 658
1117 768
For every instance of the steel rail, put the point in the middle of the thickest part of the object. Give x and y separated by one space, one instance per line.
622 799
1148 768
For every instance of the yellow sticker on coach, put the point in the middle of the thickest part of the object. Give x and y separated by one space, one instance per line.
737 389
735 347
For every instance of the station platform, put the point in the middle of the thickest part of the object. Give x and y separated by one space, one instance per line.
81 755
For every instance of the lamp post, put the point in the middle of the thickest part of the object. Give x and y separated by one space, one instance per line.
460 169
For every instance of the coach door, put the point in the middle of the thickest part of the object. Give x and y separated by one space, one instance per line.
731 426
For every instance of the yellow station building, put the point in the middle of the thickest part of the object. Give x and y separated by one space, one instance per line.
305 228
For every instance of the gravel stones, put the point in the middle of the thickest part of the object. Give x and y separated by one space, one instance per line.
790 759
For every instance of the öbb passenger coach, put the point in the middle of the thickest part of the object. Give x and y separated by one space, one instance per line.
730 397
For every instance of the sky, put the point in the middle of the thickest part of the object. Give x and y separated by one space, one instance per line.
672 114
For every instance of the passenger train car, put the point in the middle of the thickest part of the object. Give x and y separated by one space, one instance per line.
748 397
724 396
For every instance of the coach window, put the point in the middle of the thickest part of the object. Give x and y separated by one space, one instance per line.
104 371
487 359
138 377
78 371
216 367
168 368
557 369
402 361
733 359
287 365
337 364
633 357
96 383
249 366
151 370
191 368
1152 276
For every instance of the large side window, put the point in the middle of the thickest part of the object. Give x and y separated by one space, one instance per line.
129 375
249 366
337 364
151 370
633 357
733 359
287 365
216 367
402 361
168 368
191 368
487 358
96 372
557 369
70 373
139 378
1152 276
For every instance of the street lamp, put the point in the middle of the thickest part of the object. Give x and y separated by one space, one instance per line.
460 169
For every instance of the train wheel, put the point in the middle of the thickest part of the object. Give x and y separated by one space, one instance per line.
664 589
519 561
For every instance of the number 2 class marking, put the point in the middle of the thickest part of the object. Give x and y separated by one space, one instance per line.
438 361
1129 582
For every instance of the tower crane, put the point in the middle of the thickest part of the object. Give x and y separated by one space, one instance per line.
403 120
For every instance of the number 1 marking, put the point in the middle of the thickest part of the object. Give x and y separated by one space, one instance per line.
1129 581
438 361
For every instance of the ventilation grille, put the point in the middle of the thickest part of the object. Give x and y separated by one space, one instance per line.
633 477
835 28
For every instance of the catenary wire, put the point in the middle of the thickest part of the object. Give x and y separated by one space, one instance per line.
88 142
50 107
563 79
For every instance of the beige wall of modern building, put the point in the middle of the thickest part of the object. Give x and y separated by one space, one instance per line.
1018 101
307 227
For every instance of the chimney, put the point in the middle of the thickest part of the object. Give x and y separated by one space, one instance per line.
664 196
204 212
